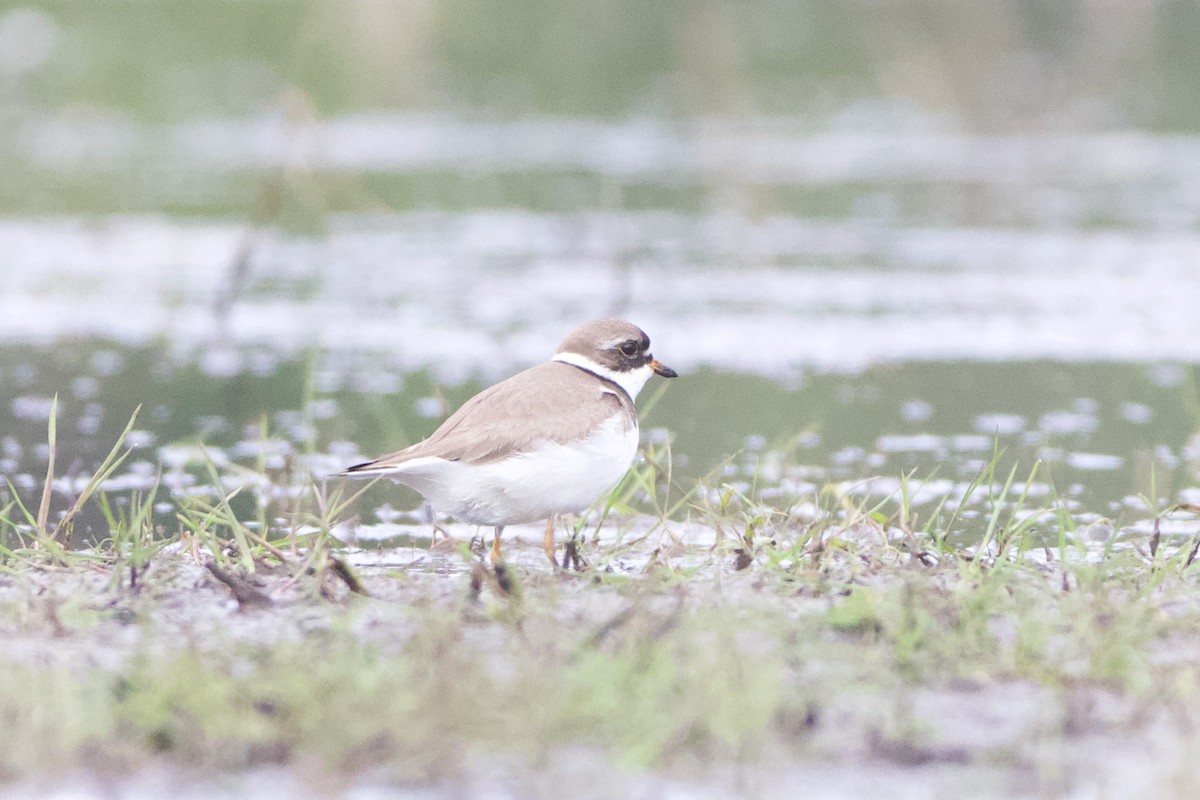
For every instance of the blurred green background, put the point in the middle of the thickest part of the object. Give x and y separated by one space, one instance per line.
987 66
152 106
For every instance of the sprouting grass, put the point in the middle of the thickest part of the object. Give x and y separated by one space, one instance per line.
37 536
820 628
134 540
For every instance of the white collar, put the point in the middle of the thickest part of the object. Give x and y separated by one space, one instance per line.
631 381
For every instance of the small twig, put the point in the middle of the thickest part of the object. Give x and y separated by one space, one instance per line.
742 559
1192 553
672 618
246 595
342 570
621 619
504 578
266 545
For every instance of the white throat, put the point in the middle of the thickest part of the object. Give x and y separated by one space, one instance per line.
632 381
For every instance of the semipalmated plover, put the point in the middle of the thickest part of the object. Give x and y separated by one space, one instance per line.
550 440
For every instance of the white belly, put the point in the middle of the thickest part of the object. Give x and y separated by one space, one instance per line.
550 479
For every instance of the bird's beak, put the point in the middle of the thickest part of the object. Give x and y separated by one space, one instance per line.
662 369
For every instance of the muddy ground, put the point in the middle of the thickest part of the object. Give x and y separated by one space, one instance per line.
661 670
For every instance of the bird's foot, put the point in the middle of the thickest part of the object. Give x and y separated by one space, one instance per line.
498 577
548 543
572 557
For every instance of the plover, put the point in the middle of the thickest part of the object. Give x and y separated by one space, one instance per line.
550 440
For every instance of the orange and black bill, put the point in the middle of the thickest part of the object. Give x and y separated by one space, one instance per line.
662 369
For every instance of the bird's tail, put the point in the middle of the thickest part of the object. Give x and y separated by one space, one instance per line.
367 469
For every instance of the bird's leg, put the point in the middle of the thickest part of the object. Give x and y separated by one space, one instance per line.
504 580
548 541
496 545
572 556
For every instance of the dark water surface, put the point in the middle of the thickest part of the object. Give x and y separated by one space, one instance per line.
1102 431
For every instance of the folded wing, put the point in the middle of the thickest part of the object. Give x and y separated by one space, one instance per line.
552 402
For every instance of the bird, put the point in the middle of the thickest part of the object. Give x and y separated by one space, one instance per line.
550 440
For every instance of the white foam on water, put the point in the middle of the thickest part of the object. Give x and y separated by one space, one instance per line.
499 290
1095 461
756 150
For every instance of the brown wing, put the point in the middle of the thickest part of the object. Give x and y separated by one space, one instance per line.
552 402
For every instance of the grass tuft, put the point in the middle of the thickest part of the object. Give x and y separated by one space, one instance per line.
820 626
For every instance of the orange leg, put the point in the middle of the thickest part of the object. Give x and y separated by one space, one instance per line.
548 541
496 545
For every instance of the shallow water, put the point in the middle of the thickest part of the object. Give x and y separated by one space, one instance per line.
486 292
866 261
1100 434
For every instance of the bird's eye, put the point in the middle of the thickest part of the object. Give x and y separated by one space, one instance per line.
630 348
